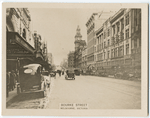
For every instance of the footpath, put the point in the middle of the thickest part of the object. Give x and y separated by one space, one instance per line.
30 100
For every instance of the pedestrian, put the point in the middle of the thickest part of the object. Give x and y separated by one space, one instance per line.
7 83
54 72
62 72
59 73
11 85
14 78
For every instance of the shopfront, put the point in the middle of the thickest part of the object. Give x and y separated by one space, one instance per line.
19 51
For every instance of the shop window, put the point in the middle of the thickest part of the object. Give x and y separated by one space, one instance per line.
104 55
104 44
127 19
127 49
24 33
113 30
127 33
108 32
104 35
132 44
121 51
98 40
108 54
112 53
135 43
118 27
136 22
122 24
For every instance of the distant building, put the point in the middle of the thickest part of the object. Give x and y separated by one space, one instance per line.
79 44
71 59
50 58
38 46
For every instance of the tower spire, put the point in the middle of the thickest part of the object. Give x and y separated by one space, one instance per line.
78 35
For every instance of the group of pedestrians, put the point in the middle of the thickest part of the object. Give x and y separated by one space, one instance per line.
55 72
61 73
11 79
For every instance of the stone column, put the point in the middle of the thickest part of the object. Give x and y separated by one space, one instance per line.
120 25
112 31
124 28
115 29
138 41
130 46
124 47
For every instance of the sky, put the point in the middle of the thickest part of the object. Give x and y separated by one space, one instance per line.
58 27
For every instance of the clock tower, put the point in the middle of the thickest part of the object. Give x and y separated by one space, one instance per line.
78 38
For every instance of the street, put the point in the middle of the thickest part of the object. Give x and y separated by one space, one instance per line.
97 92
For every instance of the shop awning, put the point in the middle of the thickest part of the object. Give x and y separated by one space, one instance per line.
18 47
14 38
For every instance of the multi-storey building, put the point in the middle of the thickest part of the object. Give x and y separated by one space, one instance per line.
20 44
84 58
93 24
19 20
103 43
79 44
119 41
71 59
91 39
38 46
50 58
136 39
22 47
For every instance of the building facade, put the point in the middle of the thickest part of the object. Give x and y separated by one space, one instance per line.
84 58
22 46
71 59
119 41
93 24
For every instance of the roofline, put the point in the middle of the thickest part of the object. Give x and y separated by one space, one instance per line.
99 29
90 18
117 14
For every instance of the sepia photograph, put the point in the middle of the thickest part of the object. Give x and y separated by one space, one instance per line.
75 57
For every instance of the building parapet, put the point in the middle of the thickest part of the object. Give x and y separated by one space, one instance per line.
117 15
